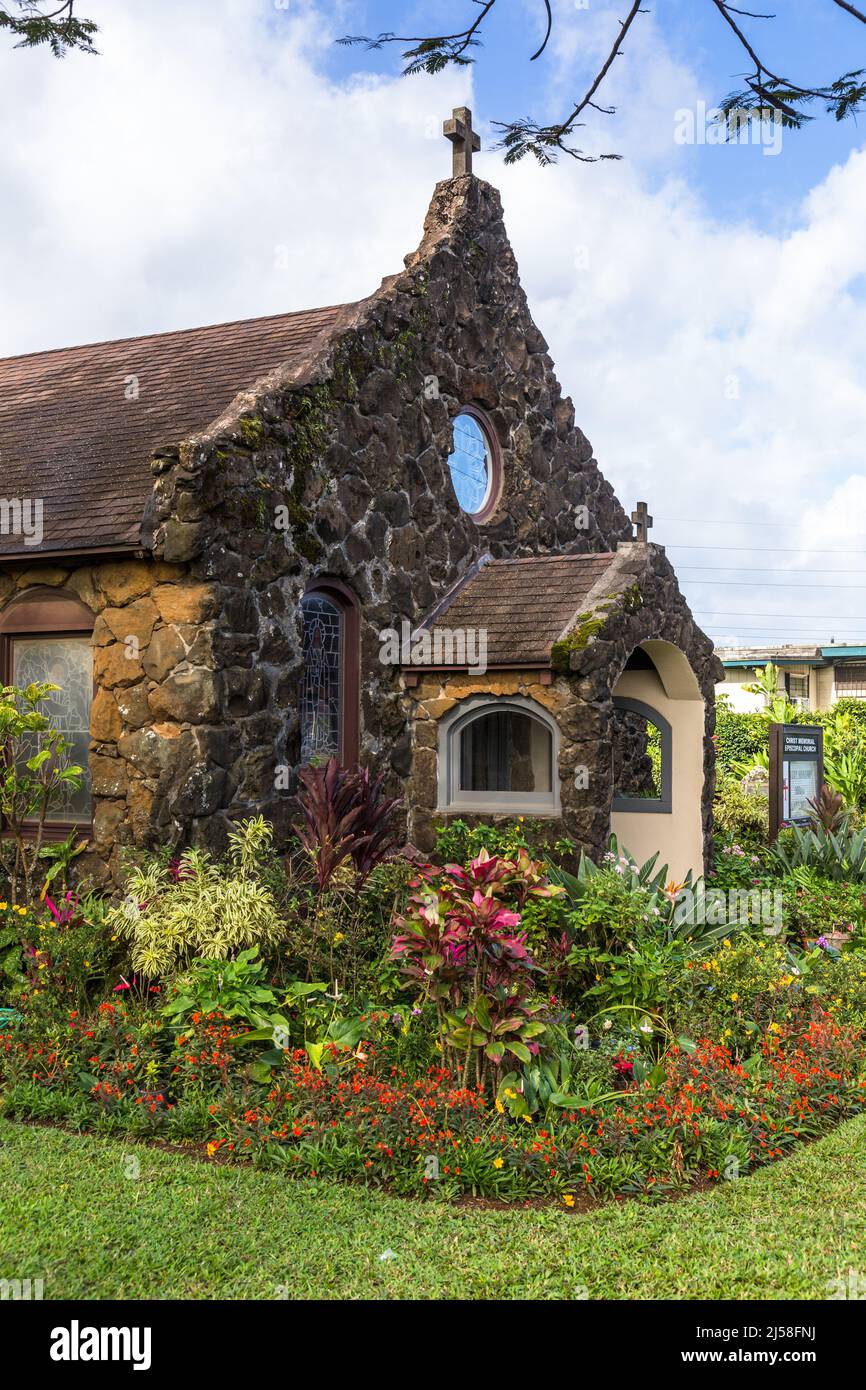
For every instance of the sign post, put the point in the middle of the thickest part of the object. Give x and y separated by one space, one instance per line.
796 773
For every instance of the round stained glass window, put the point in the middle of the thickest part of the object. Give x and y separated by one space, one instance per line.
472 464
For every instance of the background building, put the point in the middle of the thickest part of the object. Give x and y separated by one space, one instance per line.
812 677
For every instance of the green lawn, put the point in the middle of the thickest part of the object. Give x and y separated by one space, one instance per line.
184 1229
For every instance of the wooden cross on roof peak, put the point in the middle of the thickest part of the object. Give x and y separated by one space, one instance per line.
464 140
643 521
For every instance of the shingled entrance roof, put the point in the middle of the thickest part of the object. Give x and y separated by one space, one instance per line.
70 436
523 605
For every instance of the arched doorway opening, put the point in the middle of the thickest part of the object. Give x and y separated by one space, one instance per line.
657 759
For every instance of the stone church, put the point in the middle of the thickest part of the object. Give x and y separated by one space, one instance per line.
371 530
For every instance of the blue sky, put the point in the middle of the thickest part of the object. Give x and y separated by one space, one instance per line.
703 304
811 41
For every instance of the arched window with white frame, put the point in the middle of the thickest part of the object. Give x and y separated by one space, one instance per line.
499 754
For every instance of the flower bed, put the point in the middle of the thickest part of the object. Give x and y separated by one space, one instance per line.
711 1118
504 1029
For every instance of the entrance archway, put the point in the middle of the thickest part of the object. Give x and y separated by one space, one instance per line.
658 759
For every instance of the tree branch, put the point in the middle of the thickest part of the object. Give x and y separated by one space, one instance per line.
767 95
59 27
843 5
539 52
527 137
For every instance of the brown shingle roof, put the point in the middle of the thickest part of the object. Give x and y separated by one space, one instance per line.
523 605
69 435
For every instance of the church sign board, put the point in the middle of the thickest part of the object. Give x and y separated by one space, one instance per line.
796 773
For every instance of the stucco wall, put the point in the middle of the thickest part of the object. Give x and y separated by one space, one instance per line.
678 835
740 699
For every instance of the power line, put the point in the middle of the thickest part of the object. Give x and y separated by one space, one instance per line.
771 584
793 636
714 521
764 569
801 617
764 549
804 626
784 627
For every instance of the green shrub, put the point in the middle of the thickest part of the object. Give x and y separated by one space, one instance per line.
815 906
459 843
36 774
840 855
199 907
741 814
740 736
236 988
739 866
756 983
748 985
343 935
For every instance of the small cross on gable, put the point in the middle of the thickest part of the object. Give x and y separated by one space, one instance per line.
464 140
643 521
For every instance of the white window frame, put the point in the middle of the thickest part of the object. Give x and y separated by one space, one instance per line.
451 798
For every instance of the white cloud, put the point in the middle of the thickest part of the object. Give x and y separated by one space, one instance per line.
202 169
718 369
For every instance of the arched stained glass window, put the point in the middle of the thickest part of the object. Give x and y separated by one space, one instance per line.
321 687
328 694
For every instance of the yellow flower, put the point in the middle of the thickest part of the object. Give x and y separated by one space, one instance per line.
734 998
499 1106
726 943
498 1162
775 1028
568 1199
339 936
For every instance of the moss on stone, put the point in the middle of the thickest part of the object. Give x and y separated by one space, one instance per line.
574 641
310 430
253 431
348 366
632 599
